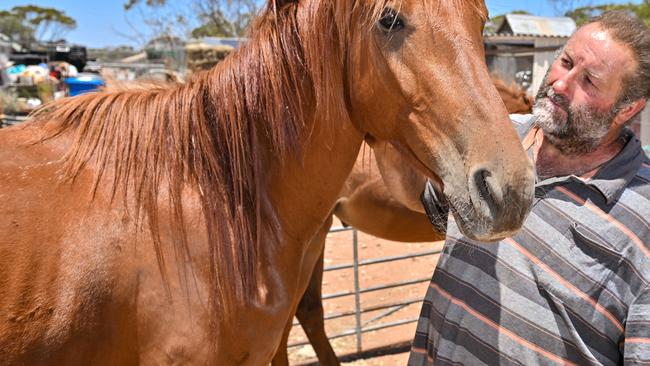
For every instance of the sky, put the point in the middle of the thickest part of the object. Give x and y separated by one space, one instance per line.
105 23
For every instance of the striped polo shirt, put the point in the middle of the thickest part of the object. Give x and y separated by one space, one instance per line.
570 288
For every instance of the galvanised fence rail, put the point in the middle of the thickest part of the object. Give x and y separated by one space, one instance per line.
390 308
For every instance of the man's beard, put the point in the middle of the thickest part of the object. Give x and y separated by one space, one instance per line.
573 131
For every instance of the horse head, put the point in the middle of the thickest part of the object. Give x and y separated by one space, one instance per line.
417 79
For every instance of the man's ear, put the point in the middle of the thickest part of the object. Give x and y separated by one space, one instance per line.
629 110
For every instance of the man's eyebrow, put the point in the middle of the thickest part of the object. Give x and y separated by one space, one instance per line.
566 52
594 74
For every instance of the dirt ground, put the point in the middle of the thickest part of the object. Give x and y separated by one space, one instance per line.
339 250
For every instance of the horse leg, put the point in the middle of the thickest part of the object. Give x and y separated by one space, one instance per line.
281 357
311 316
313 324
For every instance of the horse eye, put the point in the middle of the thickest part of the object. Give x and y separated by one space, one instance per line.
390 21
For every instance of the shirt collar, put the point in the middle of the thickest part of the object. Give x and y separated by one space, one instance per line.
612 179
615 175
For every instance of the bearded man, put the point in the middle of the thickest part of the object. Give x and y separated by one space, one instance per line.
573 286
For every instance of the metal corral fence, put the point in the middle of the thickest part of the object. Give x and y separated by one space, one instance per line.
389 309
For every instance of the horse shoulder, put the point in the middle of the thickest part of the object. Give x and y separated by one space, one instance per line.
60 262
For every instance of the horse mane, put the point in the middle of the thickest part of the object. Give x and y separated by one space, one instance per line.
212 133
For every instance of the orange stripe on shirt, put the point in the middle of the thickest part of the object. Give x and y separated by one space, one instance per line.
637 340
635 239
422 351
501 329
566 283
418 350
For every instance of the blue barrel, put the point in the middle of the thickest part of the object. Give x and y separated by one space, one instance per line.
84 83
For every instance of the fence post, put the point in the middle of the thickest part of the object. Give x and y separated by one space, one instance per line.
357 288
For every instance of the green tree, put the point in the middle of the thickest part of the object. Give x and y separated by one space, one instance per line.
13 26
225 18
229 18
582 14
29 23
495 22
216 25
131 3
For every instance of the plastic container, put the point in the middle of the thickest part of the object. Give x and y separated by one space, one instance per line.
83 84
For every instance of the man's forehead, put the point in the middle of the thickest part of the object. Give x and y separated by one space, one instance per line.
600 52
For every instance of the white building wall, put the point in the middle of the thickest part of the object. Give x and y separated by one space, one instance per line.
645 126
543 60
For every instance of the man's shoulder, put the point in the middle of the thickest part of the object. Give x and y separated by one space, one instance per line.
522 123
638 186
644 170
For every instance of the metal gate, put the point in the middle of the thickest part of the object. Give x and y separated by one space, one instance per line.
388 309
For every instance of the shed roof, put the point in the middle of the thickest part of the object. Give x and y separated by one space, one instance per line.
222 41
536 26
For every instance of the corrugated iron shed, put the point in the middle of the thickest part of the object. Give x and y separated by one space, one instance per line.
536 26
225 41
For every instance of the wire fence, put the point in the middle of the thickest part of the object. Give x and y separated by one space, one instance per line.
360 327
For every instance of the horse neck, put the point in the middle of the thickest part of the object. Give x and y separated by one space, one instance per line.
302 186
305 187
301 179
308 142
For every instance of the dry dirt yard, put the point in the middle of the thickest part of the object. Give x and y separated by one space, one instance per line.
338 250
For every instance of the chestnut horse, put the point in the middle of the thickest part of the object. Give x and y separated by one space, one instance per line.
371 202
516 100
172 225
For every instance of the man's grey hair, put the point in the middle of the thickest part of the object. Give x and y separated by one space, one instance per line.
629 30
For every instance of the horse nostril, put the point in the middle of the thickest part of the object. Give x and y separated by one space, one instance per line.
488 190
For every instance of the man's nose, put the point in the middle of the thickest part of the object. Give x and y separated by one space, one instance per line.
562 85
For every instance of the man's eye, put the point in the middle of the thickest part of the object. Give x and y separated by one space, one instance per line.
566 63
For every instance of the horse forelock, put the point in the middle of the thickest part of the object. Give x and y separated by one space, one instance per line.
212 134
